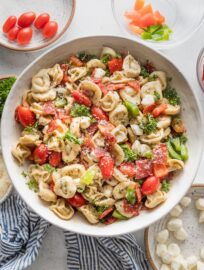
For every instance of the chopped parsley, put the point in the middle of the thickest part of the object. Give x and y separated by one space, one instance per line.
5 87
100 209
48 168
144 72
105 58
150 126
172 96
70 137
80 110
129 154
165 185
156 96
30 129
33 185
107 73
85 57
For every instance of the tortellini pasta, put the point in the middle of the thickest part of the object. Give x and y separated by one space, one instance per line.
110 101
155 199
90 213
77 73
131 66
45 193
130 95
21 153
119 115
70 151
120 133
65 187
62 209
92 90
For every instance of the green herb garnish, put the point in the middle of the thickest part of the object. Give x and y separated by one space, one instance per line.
100 209
33 185
80 110
152 78
172 96
105 58
165 185
30 129
70 137
144 72
60 102
5 87
48 168
129 154
85 57
156 32
156 96
150 126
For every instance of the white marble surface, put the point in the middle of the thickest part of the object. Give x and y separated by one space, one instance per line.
94 17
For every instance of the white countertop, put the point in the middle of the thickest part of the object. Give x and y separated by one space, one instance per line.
94 17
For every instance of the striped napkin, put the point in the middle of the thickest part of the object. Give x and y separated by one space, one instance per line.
22 233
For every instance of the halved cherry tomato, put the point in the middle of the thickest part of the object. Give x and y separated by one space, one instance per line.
110 220
146 9
143 168
26 19
150 185
52 126
98 113
160 154
147 20
50 29
106 212
128 169
49 108
92 129
139 4
41 20
114 87
129 208
25 116
55 158
12 34
159 19
77 201
9 23
138 193
81 98
149 108
159 110
75 61
106 165
160 170
40 154
135 85
115 64
24 35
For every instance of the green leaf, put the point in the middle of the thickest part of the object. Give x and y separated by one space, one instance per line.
172 96
144 73
80 110
33 185
165 185
145 35
70 137
129 154
5 87
105 58
49 168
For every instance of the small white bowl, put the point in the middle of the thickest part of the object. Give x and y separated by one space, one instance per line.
191 114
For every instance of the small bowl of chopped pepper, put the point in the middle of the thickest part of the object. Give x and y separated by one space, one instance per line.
158 23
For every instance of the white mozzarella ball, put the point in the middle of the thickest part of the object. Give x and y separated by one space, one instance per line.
99 73
192 262
185 201
180 260
162 236
160 249
200 265
174 224
166 258
148 100
176 211
181 234
165 267
201 217
174 249
202 253
200 204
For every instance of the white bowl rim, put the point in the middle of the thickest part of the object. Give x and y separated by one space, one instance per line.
115 233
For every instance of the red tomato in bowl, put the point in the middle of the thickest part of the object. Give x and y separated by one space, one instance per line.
9 23
12 34
106 165
55 158
40 154
26 19
41 20
50 29
128 169
150 185
24 35
25 116
77 201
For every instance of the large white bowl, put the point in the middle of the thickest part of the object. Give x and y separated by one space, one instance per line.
191 114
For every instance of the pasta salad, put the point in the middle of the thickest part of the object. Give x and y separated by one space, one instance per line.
101 136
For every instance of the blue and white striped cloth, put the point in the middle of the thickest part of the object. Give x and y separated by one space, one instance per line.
22 233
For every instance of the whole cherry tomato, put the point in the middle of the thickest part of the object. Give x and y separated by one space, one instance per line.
25 116
24 35
150 185
26 19
12 34
50 29
41 20
9 23
40 154
77 201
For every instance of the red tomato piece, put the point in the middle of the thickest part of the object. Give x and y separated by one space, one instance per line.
134 16
143 168
75 61
106 212
146 9
98 113
159 19
77 201
159 110
9 23
147 20
106 165
49 108
105 127
41 20
160 170
50 29
114 87
135 85
55 158
129 208
81 98
139 4
40 154
24 35
99 152
110 220
52 126
25 116
88 143
128 169
26 19
12 34
149 108
92 129
160 154
115 64
138 193
150 185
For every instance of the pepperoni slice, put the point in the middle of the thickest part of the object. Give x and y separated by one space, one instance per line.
160 154
143 168
49 108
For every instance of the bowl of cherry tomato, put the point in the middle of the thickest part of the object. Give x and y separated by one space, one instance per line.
28 26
